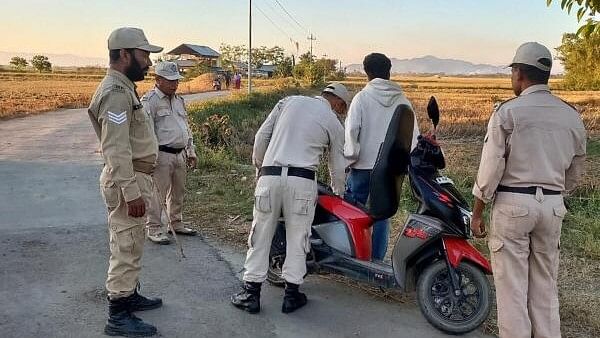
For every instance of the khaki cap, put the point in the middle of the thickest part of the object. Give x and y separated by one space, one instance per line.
128 37
338 90
168 70
530 53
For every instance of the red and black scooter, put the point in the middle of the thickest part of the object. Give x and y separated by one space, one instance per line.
431 255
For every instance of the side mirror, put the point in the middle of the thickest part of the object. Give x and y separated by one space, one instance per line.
433 111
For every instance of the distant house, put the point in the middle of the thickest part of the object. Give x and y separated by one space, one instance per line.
189 56
263 71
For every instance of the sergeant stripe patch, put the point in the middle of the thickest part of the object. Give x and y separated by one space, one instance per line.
117 118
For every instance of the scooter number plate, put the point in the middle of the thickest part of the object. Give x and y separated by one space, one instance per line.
443 180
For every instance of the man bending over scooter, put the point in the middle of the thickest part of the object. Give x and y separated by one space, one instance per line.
368 119
287 148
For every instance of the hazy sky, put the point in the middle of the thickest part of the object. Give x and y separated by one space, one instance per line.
481 31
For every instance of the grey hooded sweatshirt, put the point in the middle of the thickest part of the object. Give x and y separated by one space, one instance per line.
368 118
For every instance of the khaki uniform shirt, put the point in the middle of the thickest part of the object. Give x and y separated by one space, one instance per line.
125 132
535 139
296 133
170 120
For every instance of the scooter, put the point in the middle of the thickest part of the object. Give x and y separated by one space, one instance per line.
432 254
216 85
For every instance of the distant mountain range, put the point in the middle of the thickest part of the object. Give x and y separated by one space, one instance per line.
434 65
61 60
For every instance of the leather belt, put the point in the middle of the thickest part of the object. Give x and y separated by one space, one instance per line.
526 190
143 167
170 150
292 171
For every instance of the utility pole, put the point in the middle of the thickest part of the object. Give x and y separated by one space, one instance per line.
249 46
311 38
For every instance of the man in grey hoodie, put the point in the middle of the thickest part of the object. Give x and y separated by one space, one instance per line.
368 119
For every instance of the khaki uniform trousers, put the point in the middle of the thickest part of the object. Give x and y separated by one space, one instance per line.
169 177
126 236
295 198
524 246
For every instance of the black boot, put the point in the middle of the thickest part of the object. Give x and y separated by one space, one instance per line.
293 299
249 298
137 302
121 322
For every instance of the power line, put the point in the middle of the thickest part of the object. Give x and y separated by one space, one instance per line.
283 17
274 24
288 13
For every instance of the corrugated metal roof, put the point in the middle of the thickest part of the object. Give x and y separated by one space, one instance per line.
204 50
200 50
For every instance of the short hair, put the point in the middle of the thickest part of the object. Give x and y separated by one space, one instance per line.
535 74
115 54
377 65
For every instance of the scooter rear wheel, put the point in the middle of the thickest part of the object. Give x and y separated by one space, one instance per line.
446 311
277 257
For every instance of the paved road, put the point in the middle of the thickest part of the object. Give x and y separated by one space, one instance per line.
54 251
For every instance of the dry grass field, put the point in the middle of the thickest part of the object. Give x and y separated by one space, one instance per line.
26 93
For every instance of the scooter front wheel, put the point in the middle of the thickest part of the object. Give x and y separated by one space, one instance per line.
446 310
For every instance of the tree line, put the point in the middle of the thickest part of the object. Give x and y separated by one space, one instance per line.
306 67
38 62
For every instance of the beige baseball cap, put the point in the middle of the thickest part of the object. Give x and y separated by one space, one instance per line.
338 90
168 70
530 53
129 37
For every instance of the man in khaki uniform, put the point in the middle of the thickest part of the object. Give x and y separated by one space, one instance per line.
176 150
533 154
286 153
129 150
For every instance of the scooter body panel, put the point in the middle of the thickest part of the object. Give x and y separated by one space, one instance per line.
458 249
358 223
419 233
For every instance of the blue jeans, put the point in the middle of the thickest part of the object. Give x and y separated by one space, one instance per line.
357 190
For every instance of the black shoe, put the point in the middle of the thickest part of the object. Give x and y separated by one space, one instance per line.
121 322
293 299
249 298
137 302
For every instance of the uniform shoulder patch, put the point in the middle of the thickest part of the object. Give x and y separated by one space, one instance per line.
117 88
148 95
570 105
117 118
497 105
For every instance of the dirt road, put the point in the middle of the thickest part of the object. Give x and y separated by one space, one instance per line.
54 256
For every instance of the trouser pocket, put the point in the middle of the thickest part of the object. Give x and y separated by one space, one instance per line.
262 199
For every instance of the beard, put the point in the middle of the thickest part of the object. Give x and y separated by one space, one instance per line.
135 72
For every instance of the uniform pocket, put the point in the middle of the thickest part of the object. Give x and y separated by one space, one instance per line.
111 195
163 112
559 215
560 211
496 245
140 123
511 221
262 200
512 210
303 201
